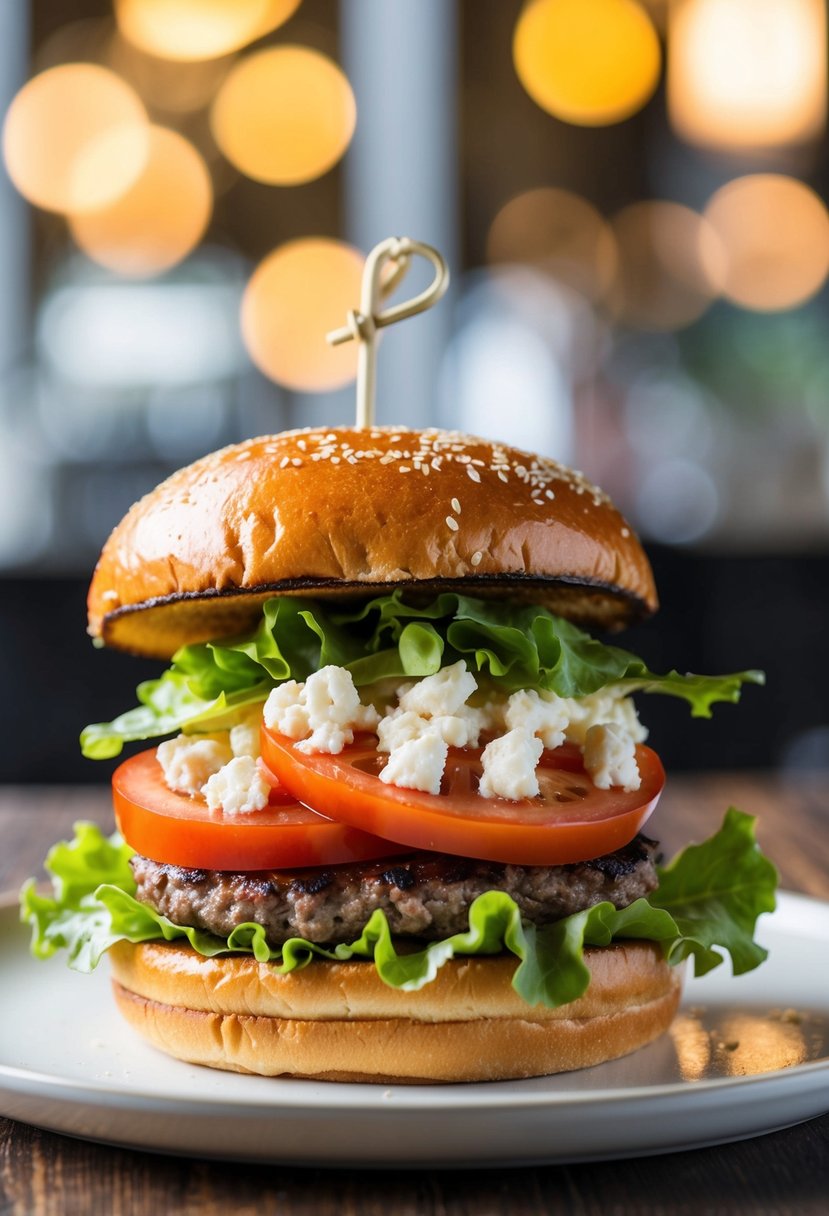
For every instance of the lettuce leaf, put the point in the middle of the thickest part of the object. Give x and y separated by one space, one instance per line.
709 896
715 891
511 645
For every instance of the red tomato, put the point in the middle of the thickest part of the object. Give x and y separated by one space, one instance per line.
569 821
175 828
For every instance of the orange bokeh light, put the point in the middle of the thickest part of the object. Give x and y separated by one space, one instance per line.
589 62
159 220
557 232
774 231
284 115
747 73
295 296
670 266
198 29
75 138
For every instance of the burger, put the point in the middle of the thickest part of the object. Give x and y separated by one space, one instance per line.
388 822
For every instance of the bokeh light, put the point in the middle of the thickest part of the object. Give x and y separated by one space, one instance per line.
677 501
514 341
198 29
747 73
159 220
284 115
670 266
297 295
589 62
775 235
75 138
557 232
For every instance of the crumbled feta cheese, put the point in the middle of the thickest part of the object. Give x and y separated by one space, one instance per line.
285 710
237 789
457 730
443 693
188 761
399 727
546 716
608 705
327 705
509 766
610 757
417 764
244 736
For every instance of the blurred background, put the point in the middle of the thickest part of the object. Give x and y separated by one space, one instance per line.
632 197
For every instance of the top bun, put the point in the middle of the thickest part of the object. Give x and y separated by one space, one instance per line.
348 512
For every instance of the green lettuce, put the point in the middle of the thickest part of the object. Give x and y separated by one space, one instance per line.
509 645
708 901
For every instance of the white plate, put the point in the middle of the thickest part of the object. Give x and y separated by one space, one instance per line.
745 1056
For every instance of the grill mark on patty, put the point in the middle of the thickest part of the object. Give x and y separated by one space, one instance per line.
424 895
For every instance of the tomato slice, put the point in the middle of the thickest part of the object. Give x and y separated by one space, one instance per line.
569 821
174 828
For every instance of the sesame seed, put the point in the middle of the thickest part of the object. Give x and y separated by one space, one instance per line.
626 532
296 462
456 506
284 461
452 523
476 558
424 468
335 460
301 444
550 493
503 477
404 468
472 474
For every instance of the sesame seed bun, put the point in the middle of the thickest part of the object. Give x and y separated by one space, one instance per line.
350 512
340 1022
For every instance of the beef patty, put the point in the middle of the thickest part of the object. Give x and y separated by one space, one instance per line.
424 895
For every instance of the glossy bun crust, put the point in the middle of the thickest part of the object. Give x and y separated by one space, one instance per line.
353 512
340 1022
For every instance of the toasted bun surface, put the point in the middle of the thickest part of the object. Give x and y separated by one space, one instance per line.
339 1021
353 512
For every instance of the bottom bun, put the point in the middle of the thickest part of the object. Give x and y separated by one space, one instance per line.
340 1022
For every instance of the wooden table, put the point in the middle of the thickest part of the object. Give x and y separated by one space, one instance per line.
779 1174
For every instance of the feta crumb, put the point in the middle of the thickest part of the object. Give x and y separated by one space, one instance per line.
237 789
188 761
285 710
327 706
244 736
443 693
457 730
610 757
546 716
607 706
509 766
417 764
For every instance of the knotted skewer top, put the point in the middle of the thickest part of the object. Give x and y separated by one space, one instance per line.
377 286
